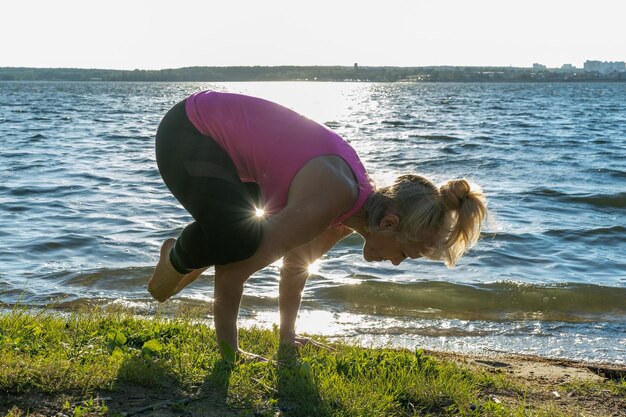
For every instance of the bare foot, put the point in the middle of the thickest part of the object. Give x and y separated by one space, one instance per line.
165 279
188 279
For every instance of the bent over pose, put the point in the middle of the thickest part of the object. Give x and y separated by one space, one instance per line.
226 156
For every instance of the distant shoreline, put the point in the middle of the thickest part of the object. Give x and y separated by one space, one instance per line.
312 73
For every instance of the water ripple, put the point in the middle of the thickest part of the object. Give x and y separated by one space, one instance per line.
83 209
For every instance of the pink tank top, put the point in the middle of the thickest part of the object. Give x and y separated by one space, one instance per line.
269 143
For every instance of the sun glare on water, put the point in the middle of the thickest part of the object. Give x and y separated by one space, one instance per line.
314 268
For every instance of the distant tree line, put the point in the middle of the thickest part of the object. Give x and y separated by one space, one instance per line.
309 73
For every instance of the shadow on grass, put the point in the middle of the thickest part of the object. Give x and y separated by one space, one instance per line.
298 394
141 384
144 386
216 384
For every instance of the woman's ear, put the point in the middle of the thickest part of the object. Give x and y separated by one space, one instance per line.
389 221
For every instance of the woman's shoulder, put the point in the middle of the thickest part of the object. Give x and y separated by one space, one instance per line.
326 177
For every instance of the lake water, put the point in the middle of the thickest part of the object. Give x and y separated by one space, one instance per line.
83 210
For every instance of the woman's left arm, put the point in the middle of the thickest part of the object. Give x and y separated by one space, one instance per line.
293 276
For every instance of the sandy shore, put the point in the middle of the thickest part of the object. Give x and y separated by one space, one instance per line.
573 388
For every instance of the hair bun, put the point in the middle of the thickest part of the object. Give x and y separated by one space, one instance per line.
453 192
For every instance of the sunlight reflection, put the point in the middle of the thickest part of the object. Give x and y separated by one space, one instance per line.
278 263
259 212
314 268
317 322
324 102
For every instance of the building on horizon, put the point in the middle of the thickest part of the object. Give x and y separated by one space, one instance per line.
604 67
568 68
539 67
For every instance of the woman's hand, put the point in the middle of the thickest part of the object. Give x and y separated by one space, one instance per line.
301 341
243 356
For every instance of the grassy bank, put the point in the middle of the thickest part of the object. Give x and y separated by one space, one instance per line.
113 363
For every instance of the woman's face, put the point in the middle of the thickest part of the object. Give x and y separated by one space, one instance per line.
383 245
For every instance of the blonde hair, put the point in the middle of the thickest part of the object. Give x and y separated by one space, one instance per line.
453 213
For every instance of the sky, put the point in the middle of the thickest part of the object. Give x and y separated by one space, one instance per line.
158 34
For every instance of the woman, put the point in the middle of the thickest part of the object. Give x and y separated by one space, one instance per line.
227 157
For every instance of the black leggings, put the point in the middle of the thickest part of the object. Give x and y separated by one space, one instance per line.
204 180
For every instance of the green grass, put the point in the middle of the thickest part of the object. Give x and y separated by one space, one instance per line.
591 388
90 363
